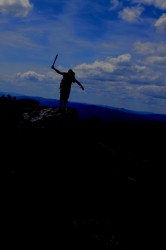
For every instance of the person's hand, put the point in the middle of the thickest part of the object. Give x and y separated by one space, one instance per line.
82 88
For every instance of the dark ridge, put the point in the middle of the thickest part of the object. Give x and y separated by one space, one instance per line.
105 113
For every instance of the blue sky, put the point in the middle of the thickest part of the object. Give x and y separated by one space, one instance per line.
117 49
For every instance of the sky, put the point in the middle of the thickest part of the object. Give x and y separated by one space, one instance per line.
117 49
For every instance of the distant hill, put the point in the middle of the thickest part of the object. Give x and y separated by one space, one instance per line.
89 111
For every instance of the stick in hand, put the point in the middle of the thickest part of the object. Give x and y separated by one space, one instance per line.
54 60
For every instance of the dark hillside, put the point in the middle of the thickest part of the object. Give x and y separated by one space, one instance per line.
102 175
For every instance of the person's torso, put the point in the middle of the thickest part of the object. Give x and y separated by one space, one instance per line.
67 80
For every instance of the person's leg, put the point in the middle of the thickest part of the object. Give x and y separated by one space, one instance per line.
66 98
61 100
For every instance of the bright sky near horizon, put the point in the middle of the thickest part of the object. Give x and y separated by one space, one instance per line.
116 47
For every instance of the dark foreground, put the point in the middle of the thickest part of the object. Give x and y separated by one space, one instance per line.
82 184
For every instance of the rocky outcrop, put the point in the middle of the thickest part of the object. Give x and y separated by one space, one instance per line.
47 117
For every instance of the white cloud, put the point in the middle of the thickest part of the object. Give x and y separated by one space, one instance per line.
18 8
160 24
114 4
30 75
122 69
158 60
131 15
139 69
161 4
125 58
147 48
144 77
94 69
99 67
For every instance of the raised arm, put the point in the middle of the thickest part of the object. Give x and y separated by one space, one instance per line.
59 72
79 84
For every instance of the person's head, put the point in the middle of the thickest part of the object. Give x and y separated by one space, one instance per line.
71 72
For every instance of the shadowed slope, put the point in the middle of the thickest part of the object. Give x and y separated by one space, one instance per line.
59 167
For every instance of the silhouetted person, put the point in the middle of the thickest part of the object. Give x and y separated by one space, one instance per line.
65 85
